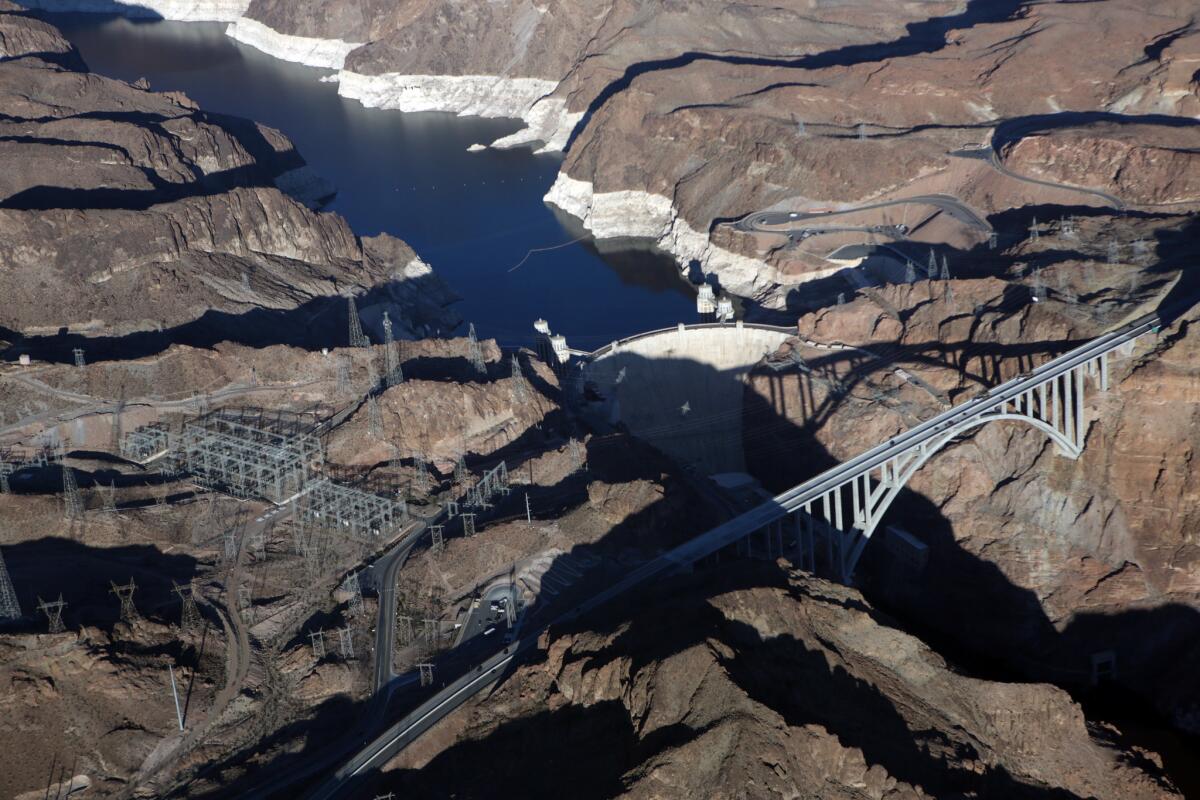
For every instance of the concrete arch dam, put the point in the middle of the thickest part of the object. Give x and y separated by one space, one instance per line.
681 389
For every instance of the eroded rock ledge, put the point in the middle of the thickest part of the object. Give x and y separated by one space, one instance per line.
125 210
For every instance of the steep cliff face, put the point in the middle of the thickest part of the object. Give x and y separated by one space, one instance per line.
544 63
684 147
115 192
753 684
1150 165
1072 558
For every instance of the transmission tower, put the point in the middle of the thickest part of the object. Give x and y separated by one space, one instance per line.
53 611
420 475
78 351
108 497
391 354
1067 227
189 614
931 270
437 539
346 642
910 271
800 129
9 607
426 674
862 131
72 501
404 627
114 443
246 602
1114 252
1141 250
357 337
460 470
1033 230
519 391
468 525
4 470
577 455
125 595
317 638
374 417
993 240
475 352
352 586
343 374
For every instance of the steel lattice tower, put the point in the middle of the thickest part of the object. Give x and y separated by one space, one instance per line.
190 614
357 337
53 611
475 352
518 380
354 588
346 642
125 594
391 353
72 502
9 607
318 644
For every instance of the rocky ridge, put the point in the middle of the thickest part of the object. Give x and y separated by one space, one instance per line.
759 683
165 203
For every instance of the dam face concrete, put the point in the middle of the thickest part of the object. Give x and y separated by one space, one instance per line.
681 389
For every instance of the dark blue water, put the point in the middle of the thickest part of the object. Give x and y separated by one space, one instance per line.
472 216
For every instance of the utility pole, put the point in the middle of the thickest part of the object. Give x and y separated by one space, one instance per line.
125 595
9 607
53 611
175 694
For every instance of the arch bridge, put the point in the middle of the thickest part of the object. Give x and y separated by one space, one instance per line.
832 516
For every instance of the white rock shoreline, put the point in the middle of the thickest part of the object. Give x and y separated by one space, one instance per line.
313 52
632 213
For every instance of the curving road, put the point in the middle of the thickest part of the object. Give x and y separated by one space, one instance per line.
952 206
992 156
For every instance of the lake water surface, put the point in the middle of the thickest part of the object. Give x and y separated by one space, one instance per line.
472 216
